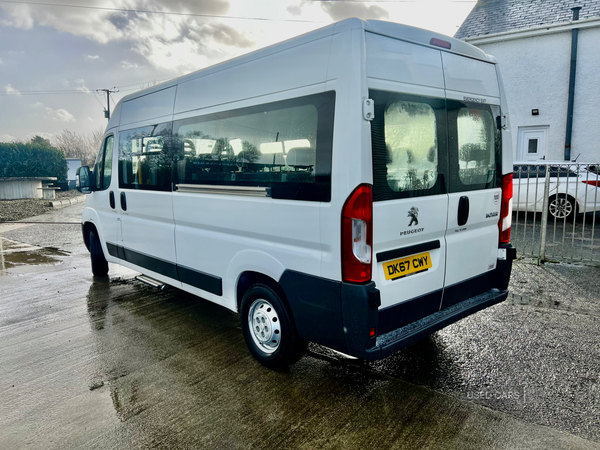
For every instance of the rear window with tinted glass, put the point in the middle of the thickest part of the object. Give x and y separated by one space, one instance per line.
406 144
475 146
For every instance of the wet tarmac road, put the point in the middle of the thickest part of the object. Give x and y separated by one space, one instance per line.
112 363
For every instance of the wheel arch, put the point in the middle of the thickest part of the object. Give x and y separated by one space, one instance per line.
249 278
86 228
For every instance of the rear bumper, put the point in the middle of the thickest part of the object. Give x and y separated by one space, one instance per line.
342 315
395 340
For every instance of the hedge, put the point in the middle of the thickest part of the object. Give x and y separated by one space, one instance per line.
37 158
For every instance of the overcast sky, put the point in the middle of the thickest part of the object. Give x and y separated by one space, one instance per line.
72 51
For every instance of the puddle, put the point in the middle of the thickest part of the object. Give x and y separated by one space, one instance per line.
14 254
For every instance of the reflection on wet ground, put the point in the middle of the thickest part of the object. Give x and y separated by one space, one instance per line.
113 363
13 254
177 373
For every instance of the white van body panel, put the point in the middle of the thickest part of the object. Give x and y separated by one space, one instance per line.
470 76
303 65
507 157
395 60
351 159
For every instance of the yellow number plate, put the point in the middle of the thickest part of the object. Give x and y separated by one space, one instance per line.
405 266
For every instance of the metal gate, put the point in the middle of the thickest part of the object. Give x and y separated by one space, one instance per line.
555 211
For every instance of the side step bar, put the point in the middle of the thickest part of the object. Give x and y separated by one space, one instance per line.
151 282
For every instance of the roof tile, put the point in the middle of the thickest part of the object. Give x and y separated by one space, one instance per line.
497 16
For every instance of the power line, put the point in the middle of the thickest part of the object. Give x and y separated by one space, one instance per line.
138 86
20 93
147 11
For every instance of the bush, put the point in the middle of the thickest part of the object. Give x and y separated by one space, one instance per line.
36 158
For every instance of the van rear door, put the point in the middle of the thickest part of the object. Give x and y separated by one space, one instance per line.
475 176
410 200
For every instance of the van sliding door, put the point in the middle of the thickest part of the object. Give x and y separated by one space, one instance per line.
145 200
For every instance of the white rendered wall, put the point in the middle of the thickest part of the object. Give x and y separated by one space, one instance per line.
16 188
536 76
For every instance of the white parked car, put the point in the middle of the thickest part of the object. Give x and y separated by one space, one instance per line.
573 188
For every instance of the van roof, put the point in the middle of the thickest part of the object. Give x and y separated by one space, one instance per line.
394 30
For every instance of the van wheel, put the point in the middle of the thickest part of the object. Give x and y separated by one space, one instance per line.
561 207
99 263
269 329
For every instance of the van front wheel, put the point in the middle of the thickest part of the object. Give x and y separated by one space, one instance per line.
269 329
99 263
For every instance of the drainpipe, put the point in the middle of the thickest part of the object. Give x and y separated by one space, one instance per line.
574 38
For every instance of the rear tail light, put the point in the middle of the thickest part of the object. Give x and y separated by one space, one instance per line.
357 235
592 182
506 209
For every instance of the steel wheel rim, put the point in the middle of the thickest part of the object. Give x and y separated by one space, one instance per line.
561 208
264 326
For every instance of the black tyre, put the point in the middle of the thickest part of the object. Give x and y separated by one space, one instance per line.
99 263
561 207
269 329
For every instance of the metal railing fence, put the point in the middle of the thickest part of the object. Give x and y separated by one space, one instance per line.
556 211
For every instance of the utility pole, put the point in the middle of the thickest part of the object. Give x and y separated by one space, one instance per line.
108 92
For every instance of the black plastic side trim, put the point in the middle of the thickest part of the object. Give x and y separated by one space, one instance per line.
405 251
316 306
206 282
166 268
201 280
113 250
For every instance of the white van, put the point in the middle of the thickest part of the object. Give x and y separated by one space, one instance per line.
350 187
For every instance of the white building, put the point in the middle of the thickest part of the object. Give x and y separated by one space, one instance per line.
532 42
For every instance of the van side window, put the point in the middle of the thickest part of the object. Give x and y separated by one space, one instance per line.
406 136
146 158
475 146
283 145
103 164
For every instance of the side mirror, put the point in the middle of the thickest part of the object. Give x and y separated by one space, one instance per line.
84 180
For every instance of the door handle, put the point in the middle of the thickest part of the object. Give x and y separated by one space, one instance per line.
123 201
111 199
463 210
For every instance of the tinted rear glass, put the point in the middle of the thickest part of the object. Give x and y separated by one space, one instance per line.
475 146
407 135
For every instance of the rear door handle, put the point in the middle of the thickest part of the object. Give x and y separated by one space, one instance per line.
463 210
111 199
123 201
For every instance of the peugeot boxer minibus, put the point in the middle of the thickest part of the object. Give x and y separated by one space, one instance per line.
350 187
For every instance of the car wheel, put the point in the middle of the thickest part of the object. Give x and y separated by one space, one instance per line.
561 207
99 263
269 329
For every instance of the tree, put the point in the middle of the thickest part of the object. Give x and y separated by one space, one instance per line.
36 158
80 145
39 141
